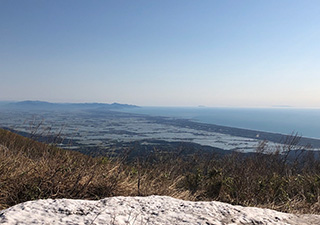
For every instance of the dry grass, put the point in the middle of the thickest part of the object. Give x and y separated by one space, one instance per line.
31 170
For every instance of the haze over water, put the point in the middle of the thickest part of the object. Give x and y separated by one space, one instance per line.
305 122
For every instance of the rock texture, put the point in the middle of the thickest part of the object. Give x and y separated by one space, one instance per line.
144 210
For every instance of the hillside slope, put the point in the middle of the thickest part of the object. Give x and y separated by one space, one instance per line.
30 170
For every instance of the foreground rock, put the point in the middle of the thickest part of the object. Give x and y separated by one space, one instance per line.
144 210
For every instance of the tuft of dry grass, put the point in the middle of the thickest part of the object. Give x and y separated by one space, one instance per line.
31 170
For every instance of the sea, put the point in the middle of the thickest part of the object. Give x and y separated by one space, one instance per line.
301 121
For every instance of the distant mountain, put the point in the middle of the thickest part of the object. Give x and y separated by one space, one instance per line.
42 105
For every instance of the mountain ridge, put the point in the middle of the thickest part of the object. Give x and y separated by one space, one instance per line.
44 105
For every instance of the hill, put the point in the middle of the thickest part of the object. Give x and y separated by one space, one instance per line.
31 170
42 105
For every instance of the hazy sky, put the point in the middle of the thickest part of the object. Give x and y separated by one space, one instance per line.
167 53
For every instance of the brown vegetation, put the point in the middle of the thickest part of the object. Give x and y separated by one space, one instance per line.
31 170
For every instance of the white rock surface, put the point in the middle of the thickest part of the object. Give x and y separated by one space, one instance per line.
144 210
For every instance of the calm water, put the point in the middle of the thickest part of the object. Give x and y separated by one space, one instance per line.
278 120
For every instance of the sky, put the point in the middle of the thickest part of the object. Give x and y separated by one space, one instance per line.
214 53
